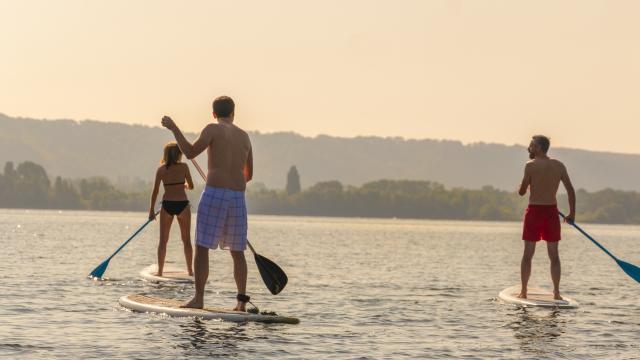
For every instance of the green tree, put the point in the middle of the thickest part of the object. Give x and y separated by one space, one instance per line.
8 195
9 170
32 185
64 195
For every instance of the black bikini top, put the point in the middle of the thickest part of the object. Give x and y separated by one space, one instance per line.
176 183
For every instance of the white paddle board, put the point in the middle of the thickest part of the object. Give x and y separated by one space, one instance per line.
536 297
169 274
171 307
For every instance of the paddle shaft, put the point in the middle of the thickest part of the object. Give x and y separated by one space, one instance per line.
204 177
589 237
132 236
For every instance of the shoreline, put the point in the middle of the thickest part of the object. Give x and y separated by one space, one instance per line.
314 217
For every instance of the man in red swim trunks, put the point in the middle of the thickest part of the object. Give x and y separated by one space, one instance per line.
542 176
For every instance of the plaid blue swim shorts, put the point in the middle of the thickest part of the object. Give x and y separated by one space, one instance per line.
222 219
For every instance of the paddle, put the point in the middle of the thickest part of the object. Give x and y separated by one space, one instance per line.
630 269
273 276
100 269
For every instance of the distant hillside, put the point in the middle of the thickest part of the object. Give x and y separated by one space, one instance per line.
129 152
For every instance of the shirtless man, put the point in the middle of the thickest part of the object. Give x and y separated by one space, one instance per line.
222 212
542 176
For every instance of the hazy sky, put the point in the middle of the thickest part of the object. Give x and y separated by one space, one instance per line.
494 71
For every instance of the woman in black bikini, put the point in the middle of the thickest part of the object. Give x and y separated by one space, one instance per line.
175 177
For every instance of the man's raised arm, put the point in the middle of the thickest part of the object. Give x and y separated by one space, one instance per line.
571 195
526 181
189 150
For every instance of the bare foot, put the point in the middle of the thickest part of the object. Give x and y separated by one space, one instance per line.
556 296
241 306
158 274
523 294
195 303
190 272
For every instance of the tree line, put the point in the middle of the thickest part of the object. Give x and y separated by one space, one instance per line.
27 185
429 200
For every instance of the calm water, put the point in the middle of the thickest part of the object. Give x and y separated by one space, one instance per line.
363 288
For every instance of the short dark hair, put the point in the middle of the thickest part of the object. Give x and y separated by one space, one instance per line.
223 106
542 141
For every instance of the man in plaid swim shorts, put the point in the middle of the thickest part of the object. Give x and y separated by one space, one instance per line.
222 219
222 213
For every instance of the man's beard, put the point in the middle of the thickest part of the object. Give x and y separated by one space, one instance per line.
531 156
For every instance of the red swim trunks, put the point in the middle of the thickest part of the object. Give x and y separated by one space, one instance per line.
541 222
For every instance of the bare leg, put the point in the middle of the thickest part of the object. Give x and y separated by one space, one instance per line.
184 220
201 275
525 266
165 226
554 256
240 275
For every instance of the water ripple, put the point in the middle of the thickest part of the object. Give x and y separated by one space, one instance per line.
373 289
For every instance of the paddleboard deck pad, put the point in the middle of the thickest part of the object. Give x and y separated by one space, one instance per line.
536 297
169 274
171 307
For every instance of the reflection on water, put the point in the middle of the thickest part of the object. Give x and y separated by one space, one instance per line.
200 335
537 329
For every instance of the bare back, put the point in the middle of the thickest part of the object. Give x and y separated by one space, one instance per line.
230 157
229 153
543 176
174 179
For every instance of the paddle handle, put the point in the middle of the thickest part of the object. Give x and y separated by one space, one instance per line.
589 237
132 236
193 161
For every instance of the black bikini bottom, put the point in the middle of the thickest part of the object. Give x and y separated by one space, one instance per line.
174 207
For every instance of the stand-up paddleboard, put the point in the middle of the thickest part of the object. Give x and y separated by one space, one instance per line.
169 274
171 307
536 297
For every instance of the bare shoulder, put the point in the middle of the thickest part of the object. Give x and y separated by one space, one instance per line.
161 170
210 131
211 128
240 130
557 163
246 136
529 164
241 134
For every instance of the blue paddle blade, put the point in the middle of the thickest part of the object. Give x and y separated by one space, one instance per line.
630 269
99 271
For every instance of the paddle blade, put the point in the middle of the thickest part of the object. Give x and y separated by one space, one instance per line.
272 275
630 269
99 270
